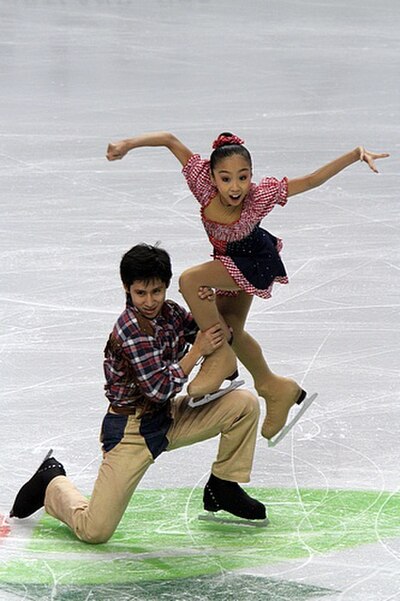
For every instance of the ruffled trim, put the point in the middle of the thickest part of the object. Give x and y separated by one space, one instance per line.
244 283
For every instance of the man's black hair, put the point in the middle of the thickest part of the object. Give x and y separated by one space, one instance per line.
145 263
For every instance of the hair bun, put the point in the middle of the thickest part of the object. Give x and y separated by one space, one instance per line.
227 140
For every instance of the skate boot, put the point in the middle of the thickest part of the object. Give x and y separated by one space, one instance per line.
30 498
280 396
217 367
229 496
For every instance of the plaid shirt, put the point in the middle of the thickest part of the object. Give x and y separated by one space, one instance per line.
142 355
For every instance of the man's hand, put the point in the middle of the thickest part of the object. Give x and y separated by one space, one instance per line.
208 341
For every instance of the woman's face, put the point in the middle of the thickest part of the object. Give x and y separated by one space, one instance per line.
232 178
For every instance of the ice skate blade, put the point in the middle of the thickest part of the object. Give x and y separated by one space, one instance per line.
212 396
286 429
231 520
49 454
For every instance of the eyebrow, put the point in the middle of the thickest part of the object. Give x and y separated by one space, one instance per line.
137 289
229 172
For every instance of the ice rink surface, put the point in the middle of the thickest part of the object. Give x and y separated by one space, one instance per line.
302 81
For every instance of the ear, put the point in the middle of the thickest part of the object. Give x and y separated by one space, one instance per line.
212 178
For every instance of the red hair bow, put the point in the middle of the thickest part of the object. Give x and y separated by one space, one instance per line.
227 141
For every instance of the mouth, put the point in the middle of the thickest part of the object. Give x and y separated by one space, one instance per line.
149 311
231 200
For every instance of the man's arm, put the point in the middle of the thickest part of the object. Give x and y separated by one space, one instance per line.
206 343
117 150
159 379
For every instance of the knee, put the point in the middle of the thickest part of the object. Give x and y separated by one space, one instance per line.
248 402
189 280
95 534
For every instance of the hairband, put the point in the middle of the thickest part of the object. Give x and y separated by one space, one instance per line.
223 140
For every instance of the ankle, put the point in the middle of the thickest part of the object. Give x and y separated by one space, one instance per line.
51 468
266 382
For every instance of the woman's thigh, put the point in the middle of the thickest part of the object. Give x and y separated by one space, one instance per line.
213 274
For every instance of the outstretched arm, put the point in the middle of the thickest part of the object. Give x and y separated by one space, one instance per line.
118 150
302 184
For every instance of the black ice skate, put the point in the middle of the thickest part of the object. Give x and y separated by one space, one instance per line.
30 498
222 495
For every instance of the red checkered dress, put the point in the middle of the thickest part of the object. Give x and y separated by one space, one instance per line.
249 253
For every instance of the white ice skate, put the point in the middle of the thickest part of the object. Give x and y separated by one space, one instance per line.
286 429
212 396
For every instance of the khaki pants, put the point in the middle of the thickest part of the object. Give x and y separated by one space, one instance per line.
233 416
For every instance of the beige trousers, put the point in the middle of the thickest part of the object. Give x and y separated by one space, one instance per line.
233 416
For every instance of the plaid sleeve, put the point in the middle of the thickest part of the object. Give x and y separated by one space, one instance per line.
157 379
197 175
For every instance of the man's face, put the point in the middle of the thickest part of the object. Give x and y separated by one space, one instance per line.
148 297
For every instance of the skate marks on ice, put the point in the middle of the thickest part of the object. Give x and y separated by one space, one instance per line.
226 586
156 550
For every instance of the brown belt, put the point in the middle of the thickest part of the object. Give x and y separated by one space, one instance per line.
128 410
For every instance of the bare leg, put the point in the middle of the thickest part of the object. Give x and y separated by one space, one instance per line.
222 363
279 393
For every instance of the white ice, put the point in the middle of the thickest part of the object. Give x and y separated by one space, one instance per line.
302 81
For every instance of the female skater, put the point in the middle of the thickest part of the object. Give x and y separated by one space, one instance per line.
246 257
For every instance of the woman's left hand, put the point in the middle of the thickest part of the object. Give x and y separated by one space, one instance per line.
369 157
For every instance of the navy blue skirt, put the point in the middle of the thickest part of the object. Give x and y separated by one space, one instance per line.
257 258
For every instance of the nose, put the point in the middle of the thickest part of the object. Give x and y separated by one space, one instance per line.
149 300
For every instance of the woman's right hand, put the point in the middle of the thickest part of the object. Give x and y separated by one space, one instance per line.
117 150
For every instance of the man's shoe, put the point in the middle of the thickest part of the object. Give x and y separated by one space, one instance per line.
30 498
229 496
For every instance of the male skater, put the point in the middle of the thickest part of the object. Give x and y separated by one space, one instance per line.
147 362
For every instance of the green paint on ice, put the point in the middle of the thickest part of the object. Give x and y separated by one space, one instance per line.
161 539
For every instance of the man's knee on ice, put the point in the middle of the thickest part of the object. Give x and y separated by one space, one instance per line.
95 535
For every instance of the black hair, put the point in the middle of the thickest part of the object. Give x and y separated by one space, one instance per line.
145 263
227 150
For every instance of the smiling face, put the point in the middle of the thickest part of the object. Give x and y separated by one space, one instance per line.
232 178
148 297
